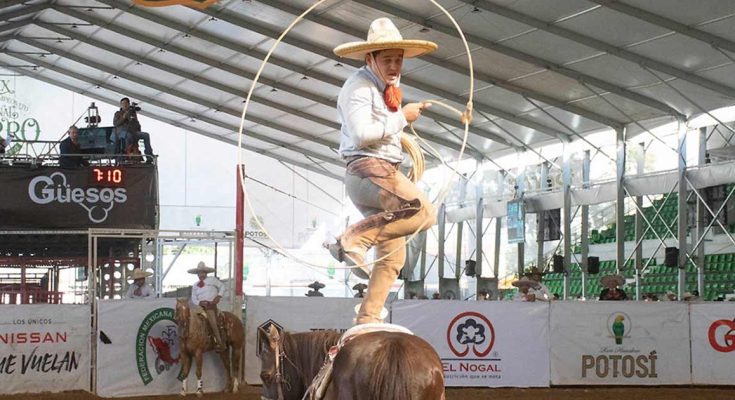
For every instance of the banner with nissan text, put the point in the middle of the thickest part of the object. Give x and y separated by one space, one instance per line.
620 343
294 314
138 351
44 348
713 343
483 343
122 197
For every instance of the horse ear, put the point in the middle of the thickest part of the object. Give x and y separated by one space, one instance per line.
264 338
273 334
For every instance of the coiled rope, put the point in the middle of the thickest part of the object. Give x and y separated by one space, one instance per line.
412 149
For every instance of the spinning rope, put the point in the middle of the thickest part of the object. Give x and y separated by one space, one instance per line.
407 143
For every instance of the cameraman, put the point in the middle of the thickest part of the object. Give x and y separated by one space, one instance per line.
127 126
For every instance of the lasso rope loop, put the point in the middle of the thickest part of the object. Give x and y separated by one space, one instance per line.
465 117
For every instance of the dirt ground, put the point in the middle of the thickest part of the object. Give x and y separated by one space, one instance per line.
561 393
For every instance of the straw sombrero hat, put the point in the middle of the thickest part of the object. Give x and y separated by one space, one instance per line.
140 274
612 280
526 281
201 267
384 35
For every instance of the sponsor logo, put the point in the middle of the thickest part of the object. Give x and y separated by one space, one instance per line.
54 188
621 360
471 337
158 335
721 335
618 326
162 3
470 331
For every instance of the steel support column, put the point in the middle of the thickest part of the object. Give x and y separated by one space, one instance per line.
682 215
641 159
701 225
585 225
520 189
441 228
543 186
620 200
566 190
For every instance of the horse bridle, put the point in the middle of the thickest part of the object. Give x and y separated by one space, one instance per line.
280 378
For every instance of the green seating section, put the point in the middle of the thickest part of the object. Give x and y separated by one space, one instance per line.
719 277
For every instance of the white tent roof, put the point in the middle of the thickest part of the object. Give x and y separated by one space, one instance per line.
544 70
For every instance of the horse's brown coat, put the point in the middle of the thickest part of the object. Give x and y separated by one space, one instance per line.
195 340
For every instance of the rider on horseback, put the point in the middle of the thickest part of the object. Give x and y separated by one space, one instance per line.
205 295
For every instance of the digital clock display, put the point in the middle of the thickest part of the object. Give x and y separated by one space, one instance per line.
106 176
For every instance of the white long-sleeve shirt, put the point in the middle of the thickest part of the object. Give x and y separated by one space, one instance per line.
146 292
213 287
369 128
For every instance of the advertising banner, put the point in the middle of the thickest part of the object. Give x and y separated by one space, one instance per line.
122 197
138 351
483 343
294 314
713 343
44 348
620 343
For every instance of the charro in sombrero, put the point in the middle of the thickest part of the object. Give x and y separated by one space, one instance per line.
526 281
140 274
612 281
201 267
384 35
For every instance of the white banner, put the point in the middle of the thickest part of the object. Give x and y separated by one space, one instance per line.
713 343
44 348
138 351
619 343
295 314
483 343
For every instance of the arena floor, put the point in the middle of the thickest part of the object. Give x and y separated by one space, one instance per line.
565 393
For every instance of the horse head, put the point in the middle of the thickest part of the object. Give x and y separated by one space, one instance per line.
181 315
271 362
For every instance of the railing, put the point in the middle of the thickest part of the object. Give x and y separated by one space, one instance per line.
29 296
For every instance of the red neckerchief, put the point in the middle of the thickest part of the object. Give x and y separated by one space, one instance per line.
200 284
392 97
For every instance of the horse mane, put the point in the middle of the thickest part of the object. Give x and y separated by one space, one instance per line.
308 349
391 360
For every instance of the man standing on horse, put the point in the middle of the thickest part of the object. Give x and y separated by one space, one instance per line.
206 293
369 107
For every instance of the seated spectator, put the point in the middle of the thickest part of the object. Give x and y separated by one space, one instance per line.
140 289
689 297
670 296
556 296
612 289
69 146
360 289
526 289
3 145
315 289
484 295
436 296
127 127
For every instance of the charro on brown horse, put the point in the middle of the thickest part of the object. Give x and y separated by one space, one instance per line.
195 339
371 366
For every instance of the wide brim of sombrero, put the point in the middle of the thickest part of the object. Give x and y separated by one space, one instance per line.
411 48
200 269
617 279
140 274
529 283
